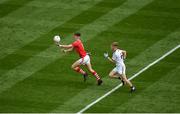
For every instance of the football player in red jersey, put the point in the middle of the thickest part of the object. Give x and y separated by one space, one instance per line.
77 45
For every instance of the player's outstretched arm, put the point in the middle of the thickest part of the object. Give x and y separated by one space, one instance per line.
66 46
68 50
111 60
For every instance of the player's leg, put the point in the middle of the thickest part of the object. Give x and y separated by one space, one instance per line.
123 76
122 73
92 71
76 67
128 82
114 74
98 78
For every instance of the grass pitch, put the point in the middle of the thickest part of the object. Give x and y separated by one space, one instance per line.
36 77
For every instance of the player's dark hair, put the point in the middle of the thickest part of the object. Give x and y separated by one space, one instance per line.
77 34
116 44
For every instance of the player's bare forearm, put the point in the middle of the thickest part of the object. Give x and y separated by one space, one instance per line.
111 60
68 50
66 46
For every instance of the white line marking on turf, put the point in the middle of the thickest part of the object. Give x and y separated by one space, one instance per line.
134 76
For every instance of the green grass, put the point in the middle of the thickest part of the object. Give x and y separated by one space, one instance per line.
36 77
11 5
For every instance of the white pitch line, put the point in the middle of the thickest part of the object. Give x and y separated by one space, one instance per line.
134 76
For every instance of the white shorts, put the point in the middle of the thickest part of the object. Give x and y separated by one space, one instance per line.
84 61
121 69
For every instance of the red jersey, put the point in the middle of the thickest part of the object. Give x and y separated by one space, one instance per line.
78 46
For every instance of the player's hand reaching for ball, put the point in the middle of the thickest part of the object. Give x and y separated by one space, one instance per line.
59 45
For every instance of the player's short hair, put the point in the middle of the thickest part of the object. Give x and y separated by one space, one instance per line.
116 44
77 34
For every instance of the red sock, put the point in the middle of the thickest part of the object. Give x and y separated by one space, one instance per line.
96 75
79 70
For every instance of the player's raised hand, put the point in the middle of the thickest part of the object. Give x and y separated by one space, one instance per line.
106 55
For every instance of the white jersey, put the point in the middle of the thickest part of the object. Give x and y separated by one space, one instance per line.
118 57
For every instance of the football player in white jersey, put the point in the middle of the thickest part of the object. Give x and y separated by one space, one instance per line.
119 72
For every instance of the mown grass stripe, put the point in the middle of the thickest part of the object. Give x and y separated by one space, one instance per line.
11 5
